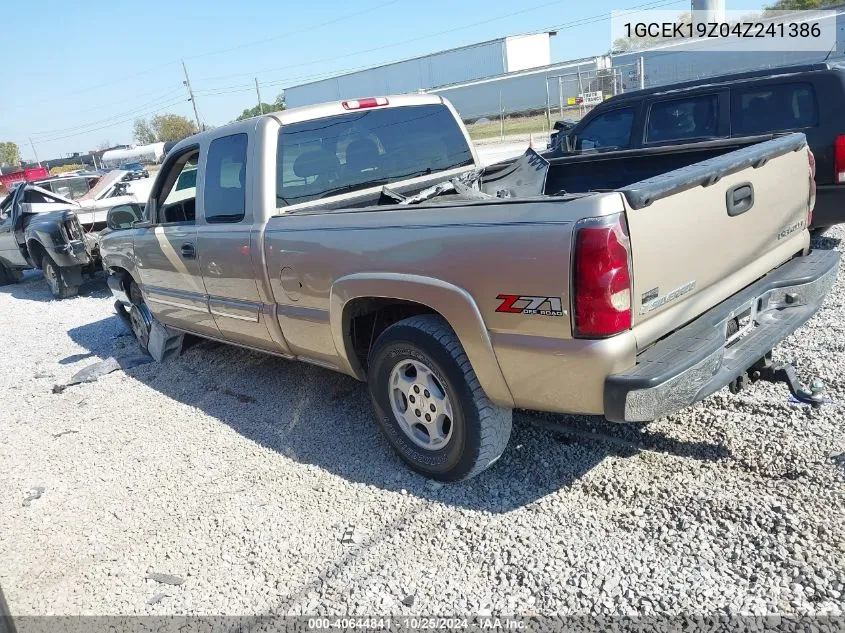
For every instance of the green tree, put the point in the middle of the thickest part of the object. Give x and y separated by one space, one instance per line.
172 127
10 154
801 5
163 128
143 131
278 104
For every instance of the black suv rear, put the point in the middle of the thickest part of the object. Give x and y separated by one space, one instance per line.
808 99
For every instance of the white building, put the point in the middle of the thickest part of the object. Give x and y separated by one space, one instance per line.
457 65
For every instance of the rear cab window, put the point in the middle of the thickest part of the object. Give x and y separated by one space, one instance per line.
609 130
682 119
366 148
773 108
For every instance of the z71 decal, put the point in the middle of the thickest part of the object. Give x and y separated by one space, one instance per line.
520 304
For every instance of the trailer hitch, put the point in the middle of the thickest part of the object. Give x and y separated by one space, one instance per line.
768 370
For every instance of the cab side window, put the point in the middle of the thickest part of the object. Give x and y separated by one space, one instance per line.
225 180
683 119
610 130
773 108
176 201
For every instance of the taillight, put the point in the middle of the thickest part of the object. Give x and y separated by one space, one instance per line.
370 102
601 278
72 228
811 201
839 160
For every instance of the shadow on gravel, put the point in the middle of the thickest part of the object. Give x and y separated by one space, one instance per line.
7 625
824 242
319 417
33 288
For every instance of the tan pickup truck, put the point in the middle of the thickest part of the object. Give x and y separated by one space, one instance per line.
363 237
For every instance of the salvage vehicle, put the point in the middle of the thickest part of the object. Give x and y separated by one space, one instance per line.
134 171
42 229
363 237
738 107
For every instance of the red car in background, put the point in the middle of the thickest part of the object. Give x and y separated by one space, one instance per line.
24 175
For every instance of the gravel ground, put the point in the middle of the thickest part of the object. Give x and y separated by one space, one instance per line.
230 482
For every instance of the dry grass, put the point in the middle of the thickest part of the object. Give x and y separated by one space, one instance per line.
536 124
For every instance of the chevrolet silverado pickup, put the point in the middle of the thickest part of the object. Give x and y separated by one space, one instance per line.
363 236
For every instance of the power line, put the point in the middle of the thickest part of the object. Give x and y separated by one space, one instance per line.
106 126
139 73
120 118
224 90
296 32
164 97
395 44
573 23
88 89
606 16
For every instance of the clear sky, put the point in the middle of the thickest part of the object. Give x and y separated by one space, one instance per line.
78 74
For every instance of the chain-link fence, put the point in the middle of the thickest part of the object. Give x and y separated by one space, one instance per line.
572 95
520 115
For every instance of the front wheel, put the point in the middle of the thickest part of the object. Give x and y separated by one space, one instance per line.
429 403
55 277
140 318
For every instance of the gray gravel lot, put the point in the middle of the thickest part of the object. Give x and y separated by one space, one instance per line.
230 482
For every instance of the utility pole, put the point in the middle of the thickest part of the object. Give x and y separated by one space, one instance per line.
32 145
258 92
191 96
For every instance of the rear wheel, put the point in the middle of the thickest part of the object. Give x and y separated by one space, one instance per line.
55 278
429 403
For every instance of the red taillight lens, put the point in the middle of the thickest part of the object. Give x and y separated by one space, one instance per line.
370 102
839 160
811 202
602 279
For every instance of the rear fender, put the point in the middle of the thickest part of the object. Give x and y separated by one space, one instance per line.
453 303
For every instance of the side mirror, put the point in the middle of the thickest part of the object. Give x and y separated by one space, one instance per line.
141 224
124 216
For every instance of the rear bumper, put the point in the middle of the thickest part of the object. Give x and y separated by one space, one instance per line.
830 206
694 362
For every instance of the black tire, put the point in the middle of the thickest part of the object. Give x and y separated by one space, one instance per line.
55 277
479 429
139 316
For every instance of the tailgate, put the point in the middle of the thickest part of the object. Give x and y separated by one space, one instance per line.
701 233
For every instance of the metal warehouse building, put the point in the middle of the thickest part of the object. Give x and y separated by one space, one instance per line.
477 61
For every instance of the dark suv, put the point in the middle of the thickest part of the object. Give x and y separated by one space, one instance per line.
808 99
135 171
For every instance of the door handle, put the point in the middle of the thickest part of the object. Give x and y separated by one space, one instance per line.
188 251
739 198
